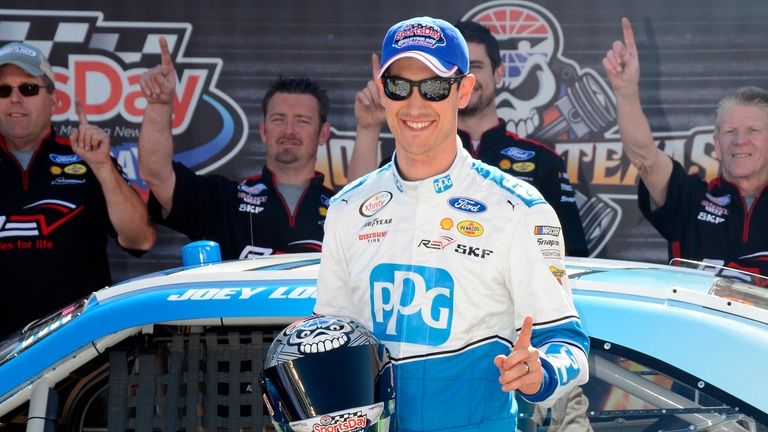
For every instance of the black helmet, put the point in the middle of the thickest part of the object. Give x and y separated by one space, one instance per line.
328 374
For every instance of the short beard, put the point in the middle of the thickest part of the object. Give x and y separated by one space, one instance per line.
473 109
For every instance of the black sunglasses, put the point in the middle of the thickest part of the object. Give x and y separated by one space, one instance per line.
432 89
26 89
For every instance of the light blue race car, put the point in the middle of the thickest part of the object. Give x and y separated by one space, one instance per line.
673 349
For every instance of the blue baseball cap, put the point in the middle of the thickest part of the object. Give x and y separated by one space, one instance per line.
437 43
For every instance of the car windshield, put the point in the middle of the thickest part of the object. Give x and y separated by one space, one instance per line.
22 339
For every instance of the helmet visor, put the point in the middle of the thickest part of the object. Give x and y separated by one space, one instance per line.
329 382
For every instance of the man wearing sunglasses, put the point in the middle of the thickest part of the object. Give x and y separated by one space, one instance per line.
280 211
443 257
61 198
484 135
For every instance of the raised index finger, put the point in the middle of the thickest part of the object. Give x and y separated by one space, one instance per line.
165 57
524 339
80 112
375 65
629 35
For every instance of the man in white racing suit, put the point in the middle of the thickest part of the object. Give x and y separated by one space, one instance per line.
445 258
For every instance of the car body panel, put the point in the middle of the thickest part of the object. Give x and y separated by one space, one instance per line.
664 312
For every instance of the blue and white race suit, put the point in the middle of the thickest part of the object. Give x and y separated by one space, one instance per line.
443 271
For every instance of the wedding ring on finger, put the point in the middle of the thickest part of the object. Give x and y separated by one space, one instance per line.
527 367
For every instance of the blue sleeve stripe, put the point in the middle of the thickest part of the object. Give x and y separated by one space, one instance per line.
569 333
357 183
525 192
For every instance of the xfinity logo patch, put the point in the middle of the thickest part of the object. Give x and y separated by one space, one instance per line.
414 297
467 205
374 203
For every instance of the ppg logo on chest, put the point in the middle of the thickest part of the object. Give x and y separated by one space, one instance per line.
416 298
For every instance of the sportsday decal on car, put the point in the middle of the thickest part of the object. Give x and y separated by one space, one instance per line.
100 63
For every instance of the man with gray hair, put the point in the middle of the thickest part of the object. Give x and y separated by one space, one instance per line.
61 197
721 222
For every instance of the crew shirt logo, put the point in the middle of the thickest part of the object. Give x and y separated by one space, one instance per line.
523 167
64 159
721 200
517 153
412 297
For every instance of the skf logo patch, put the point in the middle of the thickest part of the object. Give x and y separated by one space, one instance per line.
546 230
442 184
523 166
75 169
374 203
411 297
710 218
470 228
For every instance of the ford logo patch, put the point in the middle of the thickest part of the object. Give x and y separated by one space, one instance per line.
467 205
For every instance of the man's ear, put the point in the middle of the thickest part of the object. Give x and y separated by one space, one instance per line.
465 90
262 132
325 133
498 74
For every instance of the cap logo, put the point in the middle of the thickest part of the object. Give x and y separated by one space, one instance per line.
18 49
418 34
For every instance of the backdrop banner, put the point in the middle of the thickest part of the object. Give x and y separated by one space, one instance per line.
692 53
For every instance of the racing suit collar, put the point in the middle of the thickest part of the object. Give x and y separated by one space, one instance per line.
435 185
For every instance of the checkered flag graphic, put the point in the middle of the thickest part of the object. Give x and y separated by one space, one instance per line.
60 33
